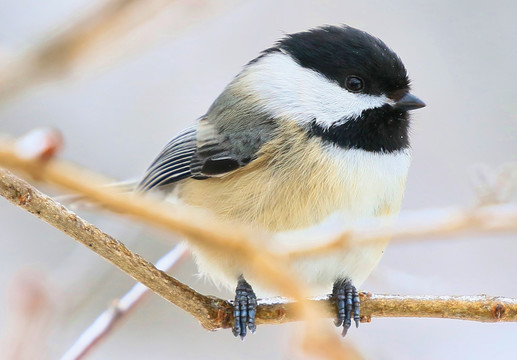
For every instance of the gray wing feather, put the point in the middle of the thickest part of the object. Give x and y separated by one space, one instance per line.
173 163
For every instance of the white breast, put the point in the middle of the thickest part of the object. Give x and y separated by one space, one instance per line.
375 184
374 180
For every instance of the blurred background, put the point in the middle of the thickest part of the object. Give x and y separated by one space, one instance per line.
156 67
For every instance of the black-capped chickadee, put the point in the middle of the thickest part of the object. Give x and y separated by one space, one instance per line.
314 125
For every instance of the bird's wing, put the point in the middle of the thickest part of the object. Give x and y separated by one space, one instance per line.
204 151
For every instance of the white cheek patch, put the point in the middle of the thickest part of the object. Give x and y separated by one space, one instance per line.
288 90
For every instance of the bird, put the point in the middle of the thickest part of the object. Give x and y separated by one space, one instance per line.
315 125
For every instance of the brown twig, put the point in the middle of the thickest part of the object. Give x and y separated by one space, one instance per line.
482 308
214 313
411 226
55 56
96 35
24 195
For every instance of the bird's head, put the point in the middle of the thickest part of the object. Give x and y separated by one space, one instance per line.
337 82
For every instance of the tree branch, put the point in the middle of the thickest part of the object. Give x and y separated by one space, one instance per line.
408 227
120 25
56 55
214 313
20 193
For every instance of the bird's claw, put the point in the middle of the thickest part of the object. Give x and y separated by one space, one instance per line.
244 309
348 305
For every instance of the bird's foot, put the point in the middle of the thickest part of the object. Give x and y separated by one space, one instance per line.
244 309
347 302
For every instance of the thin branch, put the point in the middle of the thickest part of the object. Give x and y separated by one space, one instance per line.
56 56
109 28
214 313
24 195
482 308
106 322
410 226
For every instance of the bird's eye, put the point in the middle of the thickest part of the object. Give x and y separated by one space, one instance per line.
354 83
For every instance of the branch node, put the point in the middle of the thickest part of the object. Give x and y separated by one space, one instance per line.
24 199
365 295
366 319
498 311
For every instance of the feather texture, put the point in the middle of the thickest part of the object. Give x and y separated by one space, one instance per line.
173 163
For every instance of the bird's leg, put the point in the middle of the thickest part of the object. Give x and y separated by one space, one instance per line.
347 302
244 308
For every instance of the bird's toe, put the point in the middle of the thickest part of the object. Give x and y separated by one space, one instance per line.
244 309
347 303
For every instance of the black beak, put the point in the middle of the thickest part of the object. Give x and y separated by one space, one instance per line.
408 102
